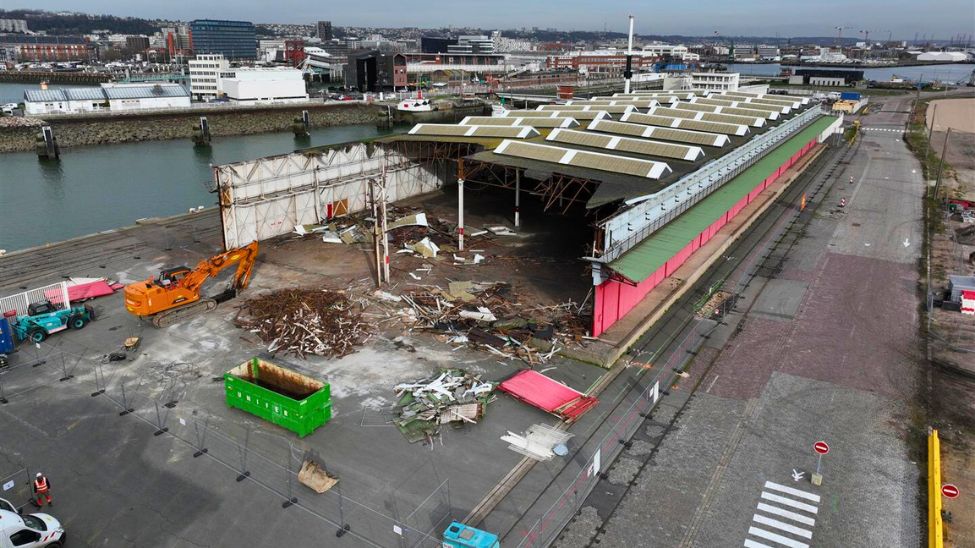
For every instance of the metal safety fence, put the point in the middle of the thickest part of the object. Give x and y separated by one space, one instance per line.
410 515
636 407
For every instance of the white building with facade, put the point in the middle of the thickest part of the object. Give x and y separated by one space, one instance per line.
715 81
659 50
107 97
262 85
205 70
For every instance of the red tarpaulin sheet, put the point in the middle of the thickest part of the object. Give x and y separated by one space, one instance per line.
548 395
89 290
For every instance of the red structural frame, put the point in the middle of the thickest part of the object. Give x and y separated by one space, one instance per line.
615 298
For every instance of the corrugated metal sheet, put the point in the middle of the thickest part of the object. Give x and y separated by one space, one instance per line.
44 95
145 92
85 94
653 252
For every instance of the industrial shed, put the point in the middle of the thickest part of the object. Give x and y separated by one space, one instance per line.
649 188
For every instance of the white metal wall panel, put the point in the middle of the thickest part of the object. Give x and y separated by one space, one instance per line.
267 197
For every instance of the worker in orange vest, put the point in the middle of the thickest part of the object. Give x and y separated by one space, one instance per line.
42 490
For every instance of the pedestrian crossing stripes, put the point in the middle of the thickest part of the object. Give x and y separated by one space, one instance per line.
891 129
784 516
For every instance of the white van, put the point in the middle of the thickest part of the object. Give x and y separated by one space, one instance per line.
28 530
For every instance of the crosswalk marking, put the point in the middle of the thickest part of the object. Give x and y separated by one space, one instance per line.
798 531
790 502
786 514
794 506
797 492
895 130
784 541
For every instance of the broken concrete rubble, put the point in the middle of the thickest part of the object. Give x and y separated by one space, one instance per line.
453 396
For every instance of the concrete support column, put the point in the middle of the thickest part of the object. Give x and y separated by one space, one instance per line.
460 214
517 198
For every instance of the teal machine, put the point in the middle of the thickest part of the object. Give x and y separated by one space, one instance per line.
459 535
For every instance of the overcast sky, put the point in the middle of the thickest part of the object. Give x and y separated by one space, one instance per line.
904 18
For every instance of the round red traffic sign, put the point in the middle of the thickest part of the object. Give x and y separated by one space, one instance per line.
949 490
821 447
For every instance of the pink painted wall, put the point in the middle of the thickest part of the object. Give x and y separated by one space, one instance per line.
614 299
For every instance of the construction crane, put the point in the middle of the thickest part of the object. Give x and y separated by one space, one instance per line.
866 37
175 294
839 36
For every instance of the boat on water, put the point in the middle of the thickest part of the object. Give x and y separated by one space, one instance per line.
498 110
416 104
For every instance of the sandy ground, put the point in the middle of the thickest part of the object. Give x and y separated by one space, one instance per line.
957 114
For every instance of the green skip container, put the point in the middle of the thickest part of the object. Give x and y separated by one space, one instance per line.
279 395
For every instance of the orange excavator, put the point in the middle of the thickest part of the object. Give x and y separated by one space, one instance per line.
175 294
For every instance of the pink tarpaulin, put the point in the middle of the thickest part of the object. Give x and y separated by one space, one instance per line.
86 290
548 394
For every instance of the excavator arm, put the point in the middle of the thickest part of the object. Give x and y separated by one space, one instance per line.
243 257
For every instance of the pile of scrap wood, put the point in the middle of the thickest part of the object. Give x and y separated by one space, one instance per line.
452 396
300 322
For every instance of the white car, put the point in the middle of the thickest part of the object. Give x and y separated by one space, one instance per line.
8 108
28 530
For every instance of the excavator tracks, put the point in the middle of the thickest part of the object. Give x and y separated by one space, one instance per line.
176 315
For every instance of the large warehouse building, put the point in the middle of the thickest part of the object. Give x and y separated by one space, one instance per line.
656 175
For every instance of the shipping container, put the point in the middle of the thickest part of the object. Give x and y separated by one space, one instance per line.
279 395
850 96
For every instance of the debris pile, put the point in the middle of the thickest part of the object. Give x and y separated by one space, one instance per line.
488 315
453 396
410 231
300 322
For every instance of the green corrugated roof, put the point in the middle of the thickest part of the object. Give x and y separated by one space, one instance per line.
640 262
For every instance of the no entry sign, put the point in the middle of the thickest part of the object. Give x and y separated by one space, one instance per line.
949 490
821 447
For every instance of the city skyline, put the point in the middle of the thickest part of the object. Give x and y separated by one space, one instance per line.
898 19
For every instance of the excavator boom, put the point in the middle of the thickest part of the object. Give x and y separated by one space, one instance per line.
171 296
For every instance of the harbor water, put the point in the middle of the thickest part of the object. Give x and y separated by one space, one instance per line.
97 188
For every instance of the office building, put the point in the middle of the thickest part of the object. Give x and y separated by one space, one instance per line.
232 39
325 30
178 40
205 69
435 44
472 44
715 81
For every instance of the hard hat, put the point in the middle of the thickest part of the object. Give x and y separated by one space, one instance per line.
39 474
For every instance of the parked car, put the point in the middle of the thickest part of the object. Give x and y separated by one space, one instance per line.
8 108
18 530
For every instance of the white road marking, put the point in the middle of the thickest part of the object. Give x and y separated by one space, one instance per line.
749 543
786 514
792 491
789 502
798 531
785 541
